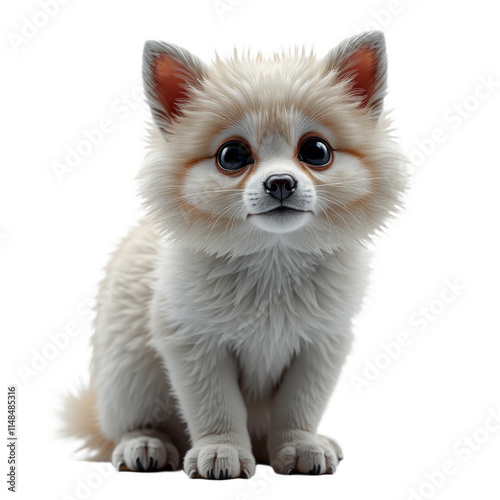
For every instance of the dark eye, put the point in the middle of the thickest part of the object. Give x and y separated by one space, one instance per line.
315 152
233 156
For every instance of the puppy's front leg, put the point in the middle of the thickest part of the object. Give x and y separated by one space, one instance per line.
297 408
206 384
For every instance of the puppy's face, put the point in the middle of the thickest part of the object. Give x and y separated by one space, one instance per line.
252 153
277 174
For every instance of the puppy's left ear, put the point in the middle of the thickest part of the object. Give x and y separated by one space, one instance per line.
169 74
362 60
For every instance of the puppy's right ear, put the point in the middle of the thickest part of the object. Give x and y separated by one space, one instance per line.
169 73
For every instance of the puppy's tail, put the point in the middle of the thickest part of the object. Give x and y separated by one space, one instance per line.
78 416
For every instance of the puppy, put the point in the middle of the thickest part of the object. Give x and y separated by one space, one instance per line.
225 315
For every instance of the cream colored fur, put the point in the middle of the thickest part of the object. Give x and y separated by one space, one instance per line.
220 334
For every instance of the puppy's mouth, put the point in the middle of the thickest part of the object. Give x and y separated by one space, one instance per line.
281 210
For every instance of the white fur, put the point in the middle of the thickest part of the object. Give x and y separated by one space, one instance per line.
221 332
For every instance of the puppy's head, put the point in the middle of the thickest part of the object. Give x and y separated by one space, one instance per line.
254 152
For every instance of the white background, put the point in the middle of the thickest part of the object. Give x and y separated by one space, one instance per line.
82 65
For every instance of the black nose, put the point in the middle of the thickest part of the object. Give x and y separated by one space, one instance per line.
280 186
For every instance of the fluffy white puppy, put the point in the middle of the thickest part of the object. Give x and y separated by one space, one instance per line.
225 316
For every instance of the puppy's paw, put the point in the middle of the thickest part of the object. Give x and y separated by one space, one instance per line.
145 454
219 461
307 454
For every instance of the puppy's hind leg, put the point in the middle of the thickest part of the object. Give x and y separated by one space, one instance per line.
133 405
135 411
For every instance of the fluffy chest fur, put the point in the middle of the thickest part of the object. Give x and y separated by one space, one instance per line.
265 307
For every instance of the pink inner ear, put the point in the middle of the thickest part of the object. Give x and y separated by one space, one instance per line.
170 78
362 67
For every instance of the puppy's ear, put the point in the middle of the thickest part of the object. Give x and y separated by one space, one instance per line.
169 72
362 60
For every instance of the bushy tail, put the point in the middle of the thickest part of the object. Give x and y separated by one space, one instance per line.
79 421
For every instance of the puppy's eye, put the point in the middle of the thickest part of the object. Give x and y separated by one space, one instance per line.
315 152
233 156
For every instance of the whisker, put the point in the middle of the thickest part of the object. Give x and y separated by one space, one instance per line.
330 221
197 206
235 215
224 211
216 191
352 181
337 213
329 198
